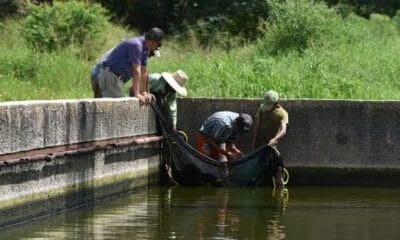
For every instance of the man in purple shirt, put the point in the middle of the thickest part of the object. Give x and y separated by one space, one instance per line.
128 60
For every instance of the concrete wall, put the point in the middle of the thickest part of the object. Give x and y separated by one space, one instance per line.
325 138
74 152
56 155
27 125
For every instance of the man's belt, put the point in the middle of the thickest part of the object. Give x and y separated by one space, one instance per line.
111 71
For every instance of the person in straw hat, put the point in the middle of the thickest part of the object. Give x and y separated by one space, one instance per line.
270 125
164 87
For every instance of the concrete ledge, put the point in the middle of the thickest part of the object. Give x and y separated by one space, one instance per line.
335 134
28 125
39 188
57 155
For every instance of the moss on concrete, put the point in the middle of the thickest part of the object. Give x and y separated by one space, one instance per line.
44 203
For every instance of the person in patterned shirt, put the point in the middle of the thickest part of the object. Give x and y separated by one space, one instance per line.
216 136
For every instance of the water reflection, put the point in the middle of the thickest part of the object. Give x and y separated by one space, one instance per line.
228 213
220 213
276 231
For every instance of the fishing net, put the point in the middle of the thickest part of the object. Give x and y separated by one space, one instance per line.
187 166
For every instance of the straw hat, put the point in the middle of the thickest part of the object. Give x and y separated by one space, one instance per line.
177 81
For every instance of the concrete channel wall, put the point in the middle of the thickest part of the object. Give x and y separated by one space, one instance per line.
328 142
58 155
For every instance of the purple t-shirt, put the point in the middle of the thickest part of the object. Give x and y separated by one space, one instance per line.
128 52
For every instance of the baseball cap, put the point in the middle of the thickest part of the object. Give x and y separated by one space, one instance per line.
271 97
245 122
155 34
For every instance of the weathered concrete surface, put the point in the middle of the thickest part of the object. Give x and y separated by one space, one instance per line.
38 188
321 133
328 143
38 185
27 125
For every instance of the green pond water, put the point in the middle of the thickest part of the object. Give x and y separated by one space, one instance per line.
228 213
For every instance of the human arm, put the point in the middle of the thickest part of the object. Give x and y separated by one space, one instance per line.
140 84
137 56
281 132
137 85
145 86
220 148
233 151
170 101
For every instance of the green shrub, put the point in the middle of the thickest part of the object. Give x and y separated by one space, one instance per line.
396 19
208 36
345 9
54 27
296 24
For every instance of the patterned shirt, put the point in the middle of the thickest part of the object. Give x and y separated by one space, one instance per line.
220 126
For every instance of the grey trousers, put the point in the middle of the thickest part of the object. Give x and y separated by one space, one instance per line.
110 84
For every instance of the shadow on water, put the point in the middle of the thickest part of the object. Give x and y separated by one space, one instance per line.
228 213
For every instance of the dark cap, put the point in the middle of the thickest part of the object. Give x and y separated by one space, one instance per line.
155 34
245 122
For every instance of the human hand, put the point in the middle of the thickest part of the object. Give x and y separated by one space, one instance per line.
272 142
224 158
234 155
142 99
238 154
150 97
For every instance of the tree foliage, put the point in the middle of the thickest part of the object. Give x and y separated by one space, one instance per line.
215 21
56 26
211 22
365 8
296 25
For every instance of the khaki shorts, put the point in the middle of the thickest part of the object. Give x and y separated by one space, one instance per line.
110 84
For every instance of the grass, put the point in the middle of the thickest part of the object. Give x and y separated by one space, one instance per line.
358 61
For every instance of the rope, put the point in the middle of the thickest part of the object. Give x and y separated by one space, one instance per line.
168 165
285 176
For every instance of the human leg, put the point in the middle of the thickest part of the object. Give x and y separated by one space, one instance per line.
110 84
94 74
95 87
279 178
203 147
